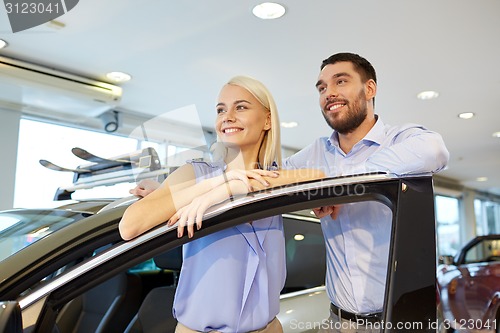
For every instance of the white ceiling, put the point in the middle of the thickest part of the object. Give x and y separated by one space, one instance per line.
181 52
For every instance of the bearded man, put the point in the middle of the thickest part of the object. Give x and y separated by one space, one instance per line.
357 235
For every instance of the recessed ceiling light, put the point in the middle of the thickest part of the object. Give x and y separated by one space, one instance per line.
54 24
3 44
289 124
466 115
481 179
299 237
118 76
269 10
496 135
428 94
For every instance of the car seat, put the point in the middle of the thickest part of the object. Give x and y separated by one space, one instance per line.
155 314
105 308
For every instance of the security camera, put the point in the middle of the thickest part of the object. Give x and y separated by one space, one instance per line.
110 121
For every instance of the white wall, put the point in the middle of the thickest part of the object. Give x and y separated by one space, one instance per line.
9 131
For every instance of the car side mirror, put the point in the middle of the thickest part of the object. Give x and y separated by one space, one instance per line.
446 260
10 318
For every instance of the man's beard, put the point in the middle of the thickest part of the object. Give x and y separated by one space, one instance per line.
353 117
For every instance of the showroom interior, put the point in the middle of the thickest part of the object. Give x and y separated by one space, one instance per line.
178 55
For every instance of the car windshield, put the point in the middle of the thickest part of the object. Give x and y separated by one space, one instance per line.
22 227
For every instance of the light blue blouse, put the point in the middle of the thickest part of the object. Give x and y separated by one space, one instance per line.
357 242
231 280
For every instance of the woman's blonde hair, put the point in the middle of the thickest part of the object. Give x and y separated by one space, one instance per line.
270 149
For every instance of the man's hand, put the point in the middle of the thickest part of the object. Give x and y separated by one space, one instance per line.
333 211
144 187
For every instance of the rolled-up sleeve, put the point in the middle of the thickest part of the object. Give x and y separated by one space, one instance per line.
414 150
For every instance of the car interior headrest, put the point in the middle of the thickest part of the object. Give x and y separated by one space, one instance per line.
171 259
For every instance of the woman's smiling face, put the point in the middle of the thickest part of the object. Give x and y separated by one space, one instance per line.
241 119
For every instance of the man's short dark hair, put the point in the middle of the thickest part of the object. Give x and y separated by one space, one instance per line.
361 65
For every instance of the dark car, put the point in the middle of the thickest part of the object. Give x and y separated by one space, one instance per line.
470 286
305 261
84 278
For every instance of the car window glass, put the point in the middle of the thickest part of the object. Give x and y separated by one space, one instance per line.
146 266
63 269
485 251
28 226
305 253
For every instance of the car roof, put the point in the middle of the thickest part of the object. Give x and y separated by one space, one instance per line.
90 206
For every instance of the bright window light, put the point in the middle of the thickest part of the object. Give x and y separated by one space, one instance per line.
36 185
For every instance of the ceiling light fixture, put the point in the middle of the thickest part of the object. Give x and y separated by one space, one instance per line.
428 95
481 179
289 124
118 76
268 10
56 25
496 135
299 237
3 44
466 115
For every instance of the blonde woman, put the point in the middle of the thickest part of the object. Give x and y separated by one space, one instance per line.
230 280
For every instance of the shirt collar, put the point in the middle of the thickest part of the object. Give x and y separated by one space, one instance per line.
376 134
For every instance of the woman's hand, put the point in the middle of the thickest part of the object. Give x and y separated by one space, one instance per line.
144 187
246 175
192 214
